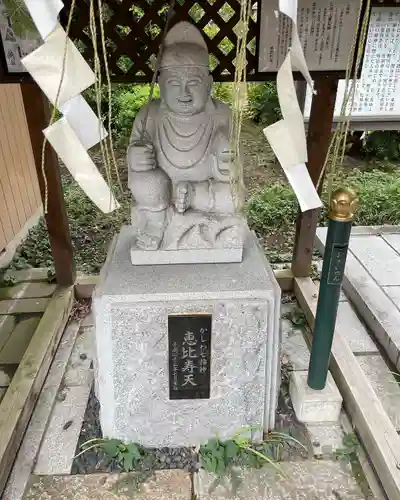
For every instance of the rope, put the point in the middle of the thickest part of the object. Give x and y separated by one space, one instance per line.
238 105
98 82
109 90
53 114
339 139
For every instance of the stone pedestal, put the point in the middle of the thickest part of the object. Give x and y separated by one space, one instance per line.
315 407
132 307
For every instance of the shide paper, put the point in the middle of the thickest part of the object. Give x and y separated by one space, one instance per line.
44 14
83 121
45 66
71 151
287 137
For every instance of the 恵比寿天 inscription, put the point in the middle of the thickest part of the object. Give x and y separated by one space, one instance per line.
189 341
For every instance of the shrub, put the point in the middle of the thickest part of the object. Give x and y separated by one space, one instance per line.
382 144
263 104
275 207
272 207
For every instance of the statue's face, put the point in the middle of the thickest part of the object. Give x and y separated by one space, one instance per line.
185 91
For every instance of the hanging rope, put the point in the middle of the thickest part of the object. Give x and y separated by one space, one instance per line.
109 93
337 146
239 105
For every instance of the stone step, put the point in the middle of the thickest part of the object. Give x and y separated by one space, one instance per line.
164 485
307 480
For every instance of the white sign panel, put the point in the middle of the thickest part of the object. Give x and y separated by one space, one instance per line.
326 30
15 47
377 93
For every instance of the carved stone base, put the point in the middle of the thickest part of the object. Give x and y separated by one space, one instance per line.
195 238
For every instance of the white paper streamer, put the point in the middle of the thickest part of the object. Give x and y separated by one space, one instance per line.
83 121
74 156
45 66
289 7
44 14
287 137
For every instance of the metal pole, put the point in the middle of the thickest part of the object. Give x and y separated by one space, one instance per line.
342 206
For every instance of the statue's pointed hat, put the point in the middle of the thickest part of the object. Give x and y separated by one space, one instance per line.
184 46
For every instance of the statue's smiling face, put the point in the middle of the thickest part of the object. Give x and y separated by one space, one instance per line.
185 91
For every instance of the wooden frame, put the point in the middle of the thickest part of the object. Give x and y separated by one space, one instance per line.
20 398
371 421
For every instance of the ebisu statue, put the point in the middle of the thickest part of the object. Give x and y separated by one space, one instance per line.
179 164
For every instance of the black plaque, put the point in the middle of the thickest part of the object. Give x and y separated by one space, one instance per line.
189 342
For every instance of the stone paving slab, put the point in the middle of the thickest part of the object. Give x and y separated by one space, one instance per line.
59 444
384 384
308 480
165 485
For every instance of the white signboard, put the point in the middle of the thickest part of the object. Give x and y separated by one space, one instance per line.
326 30
377 95
15 47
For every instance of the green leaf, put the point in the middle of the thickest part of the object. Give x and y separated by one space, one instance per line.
127 461
111 447
231 450
134 450
220 467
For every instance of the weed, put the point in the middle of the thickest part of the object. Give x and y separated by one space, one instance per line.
297 318
348 453
126 456
220 457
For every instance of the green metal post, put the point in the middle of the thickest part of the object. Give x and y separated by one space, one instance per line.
343 203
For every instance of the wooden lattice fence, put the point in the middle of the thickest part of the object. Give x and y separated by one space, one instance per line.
133 31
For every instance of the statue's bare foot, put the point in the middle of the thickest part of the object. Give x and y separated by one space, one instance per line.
150 239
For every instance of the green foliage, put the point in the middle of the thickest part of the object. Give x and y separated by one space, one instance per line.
348 453
275 207
272 207
383 145
218 457
126 456
223 92
91 232
263 106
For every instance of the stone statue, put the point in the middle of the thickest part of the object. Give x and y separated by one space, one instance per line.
179 164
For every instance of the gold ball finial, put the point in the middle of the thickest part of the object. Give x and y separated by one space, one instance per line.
343 204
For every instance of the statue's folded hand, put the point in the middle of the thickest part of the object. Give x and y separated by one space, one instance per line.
141 157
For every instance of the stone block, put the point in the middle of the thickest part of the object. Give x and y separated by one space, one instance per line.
302 480
163 485
314 406
131 308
